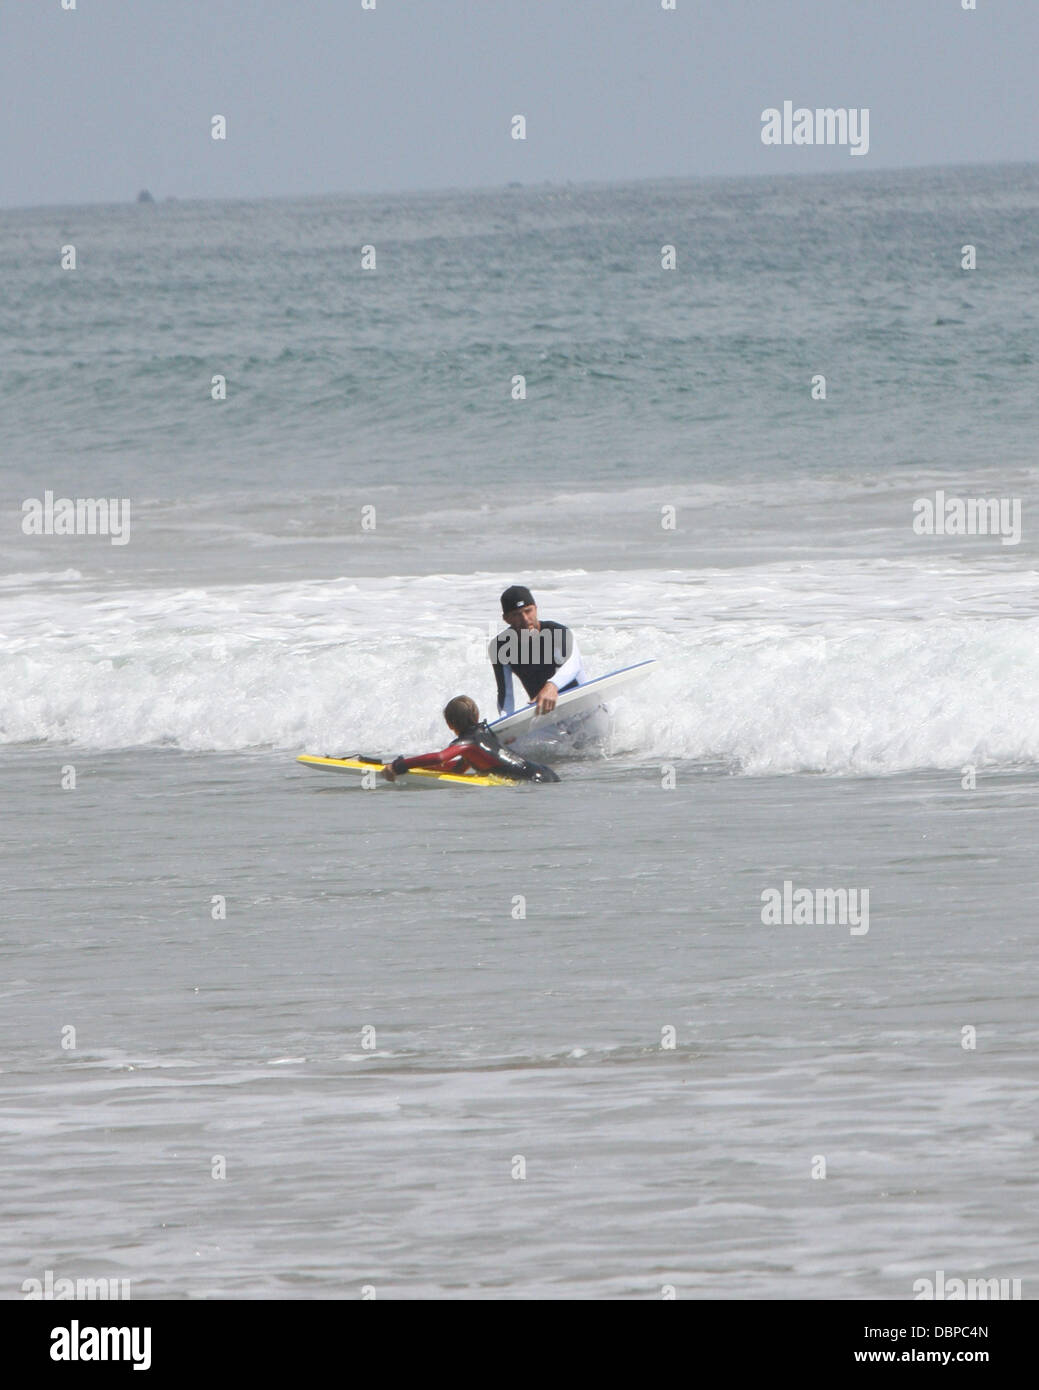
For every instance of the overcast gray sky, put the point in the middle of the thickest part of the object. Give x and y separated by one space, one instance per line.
321 96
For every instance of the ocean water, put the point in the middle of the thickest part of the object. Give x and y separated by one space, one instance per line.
594 1070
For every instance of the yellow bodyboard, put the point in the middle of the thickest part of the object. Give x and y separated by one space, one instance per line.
424 774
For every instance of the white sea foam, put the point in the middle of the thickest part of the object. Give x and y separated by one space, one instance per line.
837 667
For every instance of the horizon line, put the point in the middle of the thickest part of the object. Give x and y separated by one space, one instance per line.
857 172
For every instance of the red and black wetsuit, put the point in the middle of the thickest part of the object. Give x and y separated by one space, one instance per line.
478 748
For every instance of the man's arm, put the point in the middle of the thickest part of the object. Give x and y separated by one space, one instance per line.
503 680
572 667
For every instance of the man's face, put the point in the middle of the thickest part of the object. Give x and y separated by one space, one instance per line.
523 618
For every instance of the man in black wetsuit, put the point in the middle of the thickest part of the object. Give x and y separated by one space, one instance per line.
476 747
542 655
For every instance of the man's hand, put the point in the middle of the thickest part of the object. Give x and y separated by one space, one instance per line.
545 700
388 773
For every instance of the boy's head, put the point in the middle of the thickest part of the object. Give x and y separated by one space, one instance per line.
461 713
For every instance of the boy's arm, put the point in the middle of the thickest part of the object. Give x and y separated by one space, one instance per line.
447 760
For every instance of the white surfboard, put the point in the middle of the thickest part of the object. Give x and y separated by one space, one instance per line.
582 699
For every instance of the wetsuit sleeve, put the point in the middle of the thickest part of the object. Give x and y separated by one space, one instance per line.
508 704
503 680
571 668
447 760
